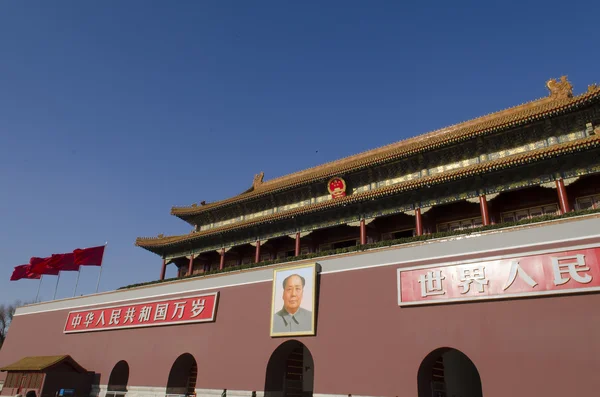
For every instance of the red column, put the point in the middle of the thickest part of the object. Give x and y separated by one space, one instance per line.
191 265
222 260
163 269
297 252
562 196
257 257
363 232
485 215
419 222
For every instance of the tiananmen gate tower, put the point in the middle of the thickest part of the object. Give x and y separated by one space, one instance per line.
459 263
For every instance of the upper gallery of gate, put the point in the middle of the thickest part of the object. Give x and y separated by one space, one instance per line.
557 125
560 100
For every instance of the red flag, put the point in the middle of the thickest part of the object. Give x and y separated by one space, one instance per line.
31 275
42 266
63 262
89 256
23 271
19 272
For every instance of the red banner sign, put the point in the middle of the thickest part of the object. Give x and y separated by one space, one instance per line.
557 273
191 309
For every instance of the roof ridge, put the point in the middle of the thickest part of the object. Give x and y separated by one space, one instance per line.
36 362
558 98
405 141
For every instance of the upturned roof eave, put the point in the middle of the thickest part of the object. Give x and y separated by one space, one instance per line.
157 245
427 142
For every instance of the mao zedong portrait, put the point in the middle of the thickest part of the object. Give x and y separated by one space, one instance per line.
292 317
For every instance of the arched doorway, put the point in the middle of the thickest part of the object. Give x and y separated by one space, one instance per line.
182 378
117 382
290 371
448 372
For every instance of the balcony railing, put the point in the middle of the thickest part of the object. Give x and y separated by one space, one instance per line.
386 243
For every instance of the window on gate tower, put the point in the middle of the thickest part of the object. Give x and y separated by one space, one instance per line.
344 244
528 213
588 202
462 224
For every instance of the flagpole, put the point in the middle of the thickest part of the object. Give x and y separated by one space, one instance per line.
100 274
38 291
77 281
56 288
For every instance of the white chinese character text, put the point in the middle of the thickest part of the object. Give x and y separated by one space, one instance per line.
468 275
114 317
197 307
76 321
179 306
89 318
431 283
515 269
145 314
161 311
129 315
573 265
101 318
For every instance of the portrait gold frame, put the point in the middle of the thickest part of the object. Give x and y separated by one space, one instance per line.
313 293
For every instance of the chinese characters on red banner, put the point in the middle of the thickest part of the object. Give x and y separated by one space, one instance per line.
556 273
198 308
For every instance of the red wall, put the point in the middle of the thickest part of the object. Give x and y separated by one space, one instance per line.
365 343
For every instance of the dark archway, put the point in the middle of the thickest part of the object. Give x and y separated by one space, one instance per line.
119 376
290 371
182 378
448 372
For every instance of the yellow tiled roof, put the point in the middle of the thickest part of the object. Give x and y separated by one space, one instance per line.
39 363
475 169
556 103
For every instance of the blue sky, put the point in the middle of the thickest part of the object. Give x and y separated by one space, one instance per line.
111 112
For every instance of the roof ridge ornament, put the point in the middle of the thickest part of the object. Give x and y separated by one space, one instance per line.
202 203
560 89
258 180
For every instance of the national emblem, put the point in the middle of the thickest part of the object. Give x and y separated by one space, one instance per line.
336 187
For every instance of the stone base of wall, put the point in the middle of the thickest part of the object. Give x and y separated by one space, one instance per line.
132 391
144 391
229 393
339 395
